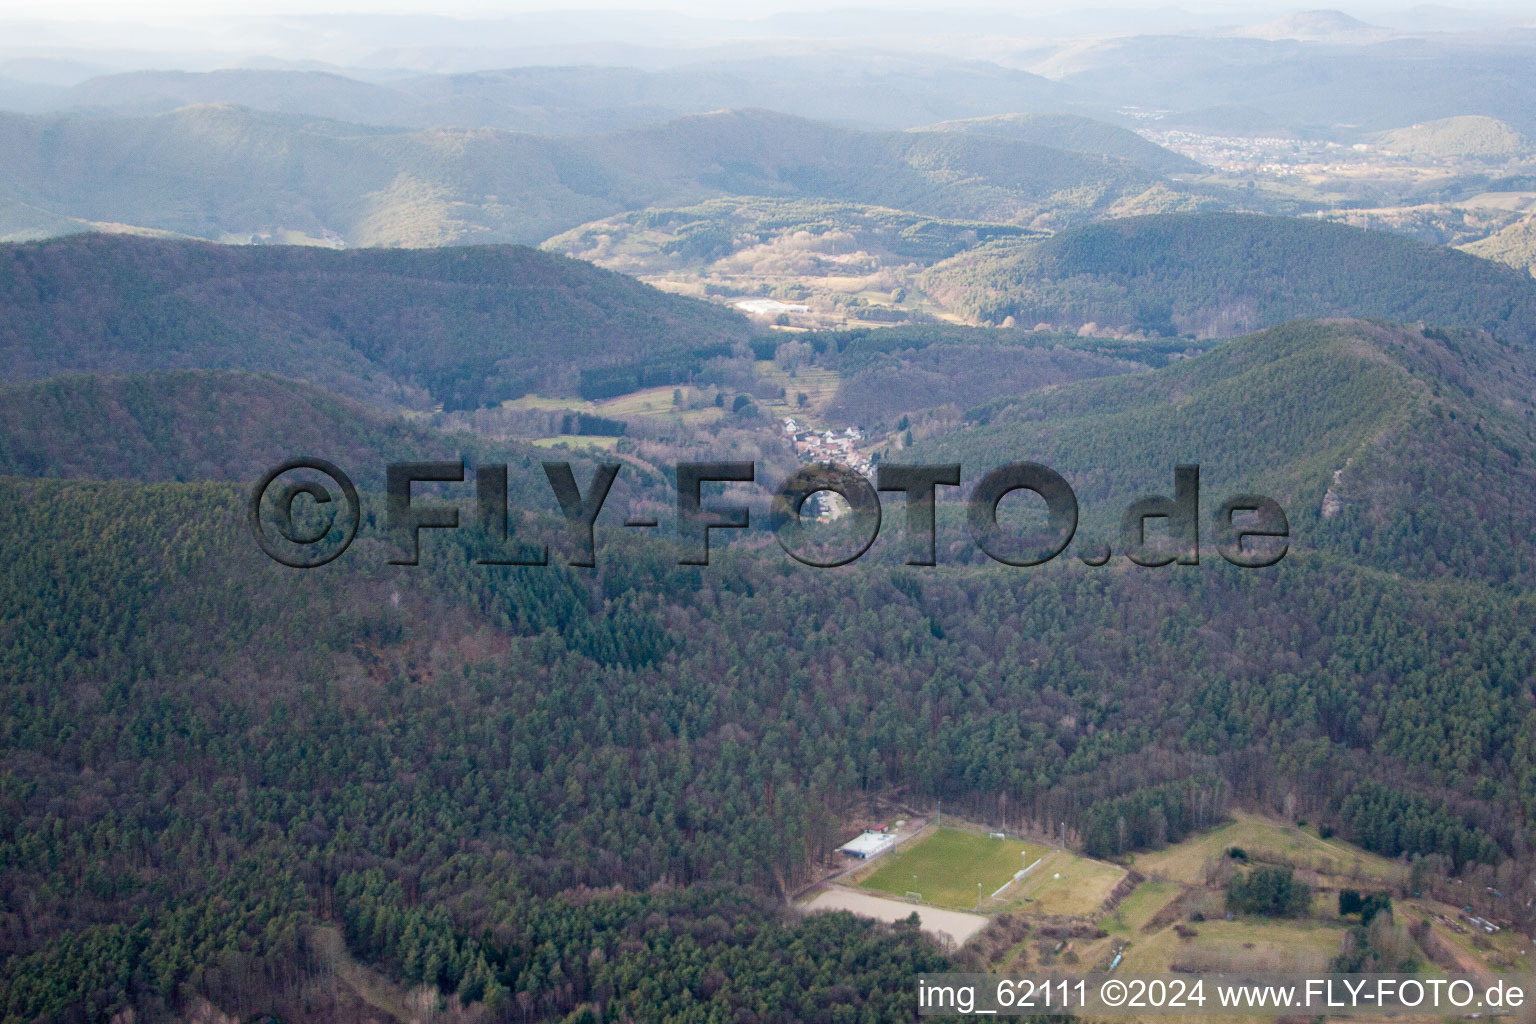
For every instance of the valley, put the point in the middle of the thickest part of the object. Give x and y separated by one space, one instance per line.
494 254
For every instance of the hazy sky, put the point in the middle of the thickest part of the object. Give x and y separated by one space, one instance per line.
199 35
158 10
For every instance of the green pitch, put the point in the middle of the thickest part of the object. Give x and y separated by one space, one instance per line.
948 864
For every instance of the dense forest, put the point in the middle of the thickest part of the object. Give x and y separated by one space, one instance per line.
209 425
1216 272
550 793
209 756
459 327
1393 460
886 373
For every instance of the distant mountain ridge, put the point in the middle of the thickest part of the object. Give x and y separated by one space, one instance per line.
1281 84
878 92
222 172
1322 26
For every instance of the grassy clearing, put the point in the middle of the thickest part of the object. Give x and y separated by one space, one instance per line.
947 864
1140 907
1065 884
649 402
542 403
818 385
1241 945
654 403
1264 839
576 442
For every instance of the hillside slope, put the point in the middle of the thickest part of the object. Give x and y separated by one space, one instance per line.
1514 245
223 172
1463 137
586 753
1408 450
211 425
599 785
1217 274
460 327
1078 135
888 372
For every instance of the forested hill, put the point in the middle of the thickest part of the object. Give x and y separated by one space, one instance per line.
539 789
1222 274
222 425
223 172
460 327
1408 450
1079 135
543 790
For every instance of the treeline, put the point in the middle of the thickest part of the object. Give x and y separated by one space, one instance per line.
585 423
420 945
901 370
1395 823
1152 817
707 952
240 936
1269 891
658 369
854 349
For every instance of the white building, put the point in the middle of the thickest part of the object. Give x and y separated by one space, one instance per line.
868 845
770 307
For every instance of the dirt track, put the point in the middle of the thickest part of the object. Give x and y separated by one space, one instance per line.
951 924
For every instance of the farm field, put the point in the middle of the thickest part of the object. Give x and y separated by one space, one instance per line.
947 864
1267 840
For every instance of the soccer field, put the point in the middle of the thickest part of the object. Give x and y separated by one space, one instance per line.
946 865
